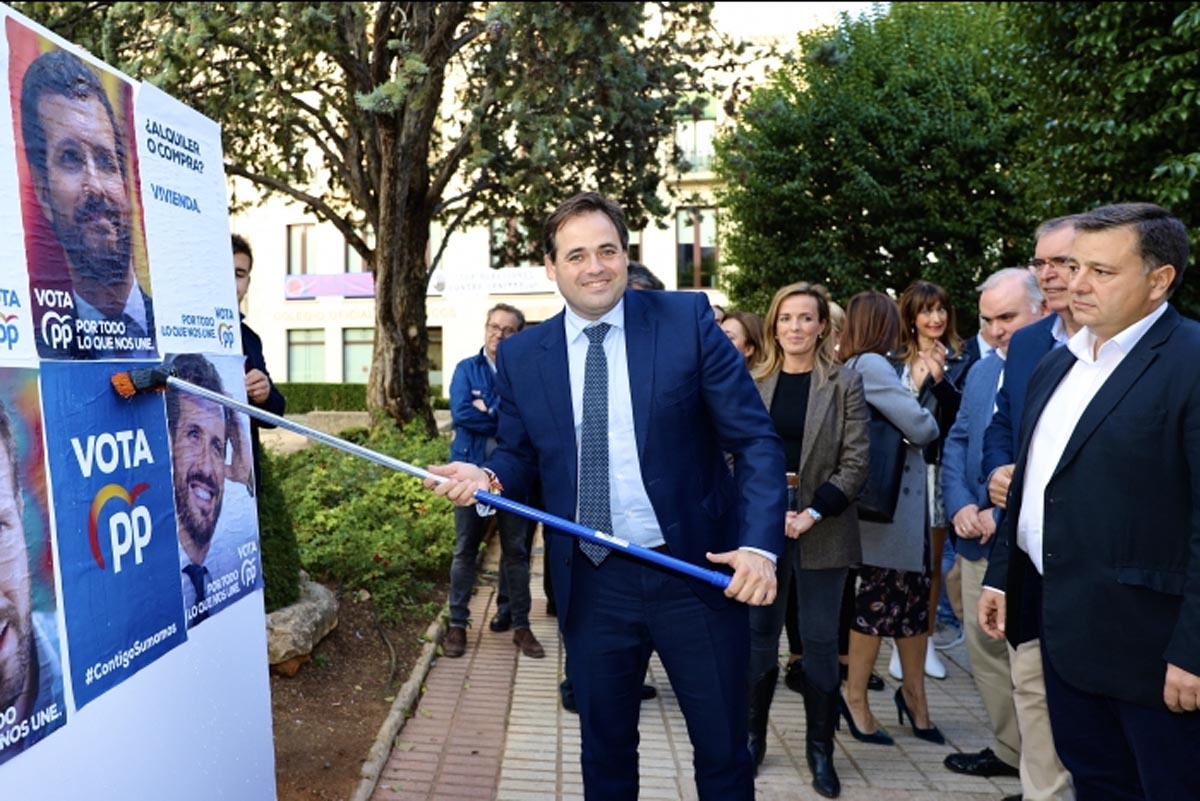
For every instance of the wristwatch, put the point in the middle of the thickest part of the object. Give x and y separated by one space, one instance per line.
814 514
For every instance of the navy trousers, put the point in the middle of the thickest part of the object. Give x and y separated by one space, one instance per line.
620 612
1116 750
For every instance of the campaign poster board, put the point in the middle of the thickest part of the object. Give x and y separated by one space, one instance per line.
132 630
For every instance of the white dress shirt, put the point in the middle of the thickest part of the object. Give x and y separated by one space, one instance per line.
1058 420
633 517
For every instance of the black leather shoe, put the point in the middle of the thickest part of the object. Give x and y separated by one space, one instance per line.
501 621
985 763
649 691
1017 797
567 692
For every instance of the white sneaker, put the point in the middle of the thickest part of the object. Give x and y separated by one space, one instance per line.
894 665
934 667
946 635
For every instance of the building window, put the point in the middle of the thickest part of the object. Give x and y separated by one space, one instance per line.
301 255
354 262
306 355
695 127
696 246
436 376
358 347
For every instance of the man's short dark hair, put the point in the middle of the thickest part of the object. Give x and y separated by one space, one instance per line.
1162 237
583 203
9 443
640 277
1052 225
59 72
513 310
240 245
195 369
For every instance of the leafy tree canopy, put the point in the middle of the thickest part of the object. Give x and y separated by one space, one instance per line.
881 154
1113 98
388 116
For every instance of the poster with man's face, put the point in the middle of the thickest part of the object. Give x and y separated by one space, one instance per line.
213 480
77 169
32 703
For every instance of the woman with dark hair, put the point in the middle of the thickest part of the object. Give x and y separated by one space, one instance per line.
892 598
745 331
932 366
820 414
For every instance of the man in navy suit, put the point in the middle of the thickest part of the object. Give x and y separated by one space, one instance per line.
679 398
1043 776
260 389
1104 506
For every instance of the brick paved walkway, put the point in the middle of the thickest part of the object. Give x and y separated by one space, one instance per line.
489 727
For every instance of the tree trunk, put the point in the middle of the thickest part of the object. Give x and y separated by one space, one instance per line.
399 382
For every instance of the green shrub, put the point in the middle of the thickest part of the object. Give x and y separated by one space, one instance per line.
303 398
368 527
277 539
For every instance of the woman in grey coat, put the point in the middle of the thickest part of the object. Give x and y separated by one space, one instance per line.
821 416
892 598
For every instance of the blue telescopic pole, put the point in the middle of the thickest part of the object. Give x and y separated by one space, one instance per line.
713 577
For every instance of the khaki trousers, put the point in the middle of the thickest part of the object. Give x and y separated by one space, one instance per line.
1043 777
990 667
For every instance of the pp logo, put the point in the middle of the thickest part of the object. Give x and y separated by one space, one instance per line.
225 335
249 572
57 330
8 332
127 530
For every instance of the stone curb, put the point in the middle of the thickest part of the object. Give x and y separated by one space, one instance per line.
406 701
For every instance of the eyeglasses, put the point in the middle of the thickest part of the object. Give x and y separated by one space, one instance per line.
504 331
1055 262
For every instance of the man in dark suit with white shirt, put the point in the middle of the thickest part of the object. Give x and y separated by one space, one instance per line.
1105 506
624 406
1043 776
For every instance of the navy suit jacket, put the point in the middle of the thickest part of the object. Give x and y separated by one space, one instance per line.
962 482
1121 533
693 400
1025 349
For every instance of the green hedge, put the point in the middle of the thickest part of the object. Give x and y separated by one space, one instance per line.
368 527
280 554
302 398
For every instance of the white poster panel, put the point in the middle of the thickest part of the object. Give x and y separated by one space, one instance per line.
183 187
115 184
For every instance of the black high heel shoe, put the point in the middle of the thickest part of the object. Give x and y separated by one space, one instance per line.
932 734
877 737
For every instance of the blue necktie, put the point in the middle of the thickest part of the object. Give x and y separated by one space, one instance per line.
197 573
594 511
